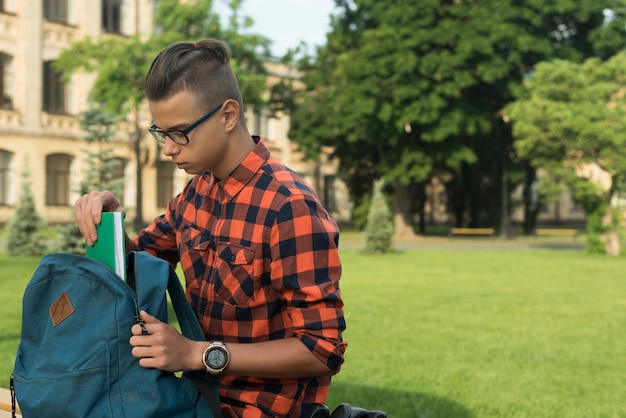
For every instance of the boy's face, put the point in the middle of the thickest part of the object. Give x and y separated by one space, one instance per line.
207 144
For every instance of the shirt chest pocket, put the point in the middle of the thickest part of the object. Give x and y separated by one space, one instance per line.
236 281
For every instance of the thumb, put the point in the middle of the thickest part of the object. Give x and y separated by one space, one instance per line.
148 319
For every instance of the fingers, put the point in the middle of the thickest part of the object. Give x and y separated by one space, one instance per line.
160 348
88 209
147 321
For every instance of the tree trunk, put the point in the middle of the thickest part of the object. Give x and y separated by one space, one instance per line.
531 200
610 238
505 217
138 222
402 211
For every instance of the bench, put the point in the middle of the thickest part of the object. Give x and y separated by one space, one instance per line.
5 403
472 231
562 232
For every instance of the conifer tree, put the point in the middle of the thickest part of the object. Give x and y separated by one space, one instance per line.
24 236
379 227
101 174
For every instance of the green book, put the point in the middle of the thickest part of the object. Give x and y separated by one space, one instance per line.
110 247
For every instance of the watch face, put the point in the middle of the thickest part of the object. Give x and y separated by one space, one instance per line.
216 358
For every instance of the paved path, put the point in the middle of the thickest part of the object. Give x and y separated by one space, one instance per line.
470 244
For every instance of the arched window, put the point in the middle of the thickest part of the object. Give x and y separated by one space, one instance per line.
58 175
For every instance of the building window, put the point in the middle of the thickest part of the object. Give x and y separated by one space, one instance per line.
111 16
6 81
6 178
53 90
58 169
330 199
55 10
165 182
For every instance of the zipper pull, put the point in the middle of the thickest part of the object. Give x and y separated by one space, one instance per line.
139 319
13 404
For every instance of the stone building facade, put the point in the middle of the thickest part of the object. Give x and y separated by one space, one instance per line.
40 132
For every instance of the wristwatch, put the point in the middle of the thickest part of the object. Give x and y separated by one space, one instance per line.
216 357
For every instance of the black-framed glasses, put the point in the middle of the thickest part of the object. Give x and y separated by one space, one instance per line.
180 137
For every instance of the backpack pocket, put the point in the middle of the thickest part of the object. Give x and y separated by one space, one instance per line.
78 367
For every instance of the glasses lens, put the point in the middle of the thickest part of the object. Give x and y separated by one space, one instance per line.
158 135
178 137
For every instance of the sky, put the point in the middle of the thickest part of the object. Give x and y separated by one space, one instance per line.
286 22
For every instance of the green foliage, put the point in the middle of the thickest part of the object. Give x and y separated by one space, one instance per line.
24 232
121 63
406 88
103 171
379 228
360 212
69 239
572 120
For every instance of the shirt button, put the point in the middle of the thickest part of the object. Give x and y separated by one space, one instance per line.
232 258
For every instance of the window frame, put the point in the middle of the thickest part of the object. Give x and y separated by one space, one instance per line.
56 11
54 90
112 16
58 179
6 81
7 178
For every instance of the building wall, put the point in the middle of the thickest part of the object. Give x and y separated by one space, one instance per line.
28 134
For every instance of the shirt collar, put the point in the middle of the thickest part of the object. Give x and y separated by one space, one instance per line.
247 169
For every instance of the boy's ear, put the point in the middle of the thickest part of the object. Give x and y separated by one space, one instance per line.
231 114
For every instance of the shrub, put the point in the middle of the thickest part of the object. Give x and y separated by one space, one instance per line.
379 227
24 232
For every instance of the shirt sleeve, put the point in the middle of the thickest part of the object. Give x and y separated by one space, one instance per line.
159 237
306 268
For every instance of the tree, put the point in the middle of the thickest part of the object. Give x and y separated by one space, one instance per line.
572 123
379 229
121 64
103 169
420 86
102 172
24 236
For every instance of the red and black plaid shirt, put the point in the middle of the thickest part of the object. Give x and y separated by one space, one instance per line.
259 254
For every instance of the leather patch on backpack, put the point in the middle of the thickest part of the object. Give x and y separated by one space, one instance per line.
61 309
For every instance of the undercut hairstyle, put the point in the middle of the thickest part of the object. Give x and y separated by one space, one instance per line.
201 68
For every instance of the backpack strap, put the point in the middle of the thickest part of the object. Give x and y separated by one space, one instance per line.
190 328
139 262
187 318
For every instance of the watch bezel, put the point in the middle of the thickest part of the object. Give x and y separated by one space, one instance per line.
215 370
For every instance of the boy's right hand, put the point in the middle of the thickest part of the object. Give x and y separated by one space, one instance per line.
87 210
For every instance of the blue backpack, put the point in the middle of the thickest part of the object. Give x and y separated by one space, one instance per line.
74 358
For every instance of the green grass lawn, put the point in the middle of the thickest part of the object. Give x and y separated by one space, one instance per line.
440 333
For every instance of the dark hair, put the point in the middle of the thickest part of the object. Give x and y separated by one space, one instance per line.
200 67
